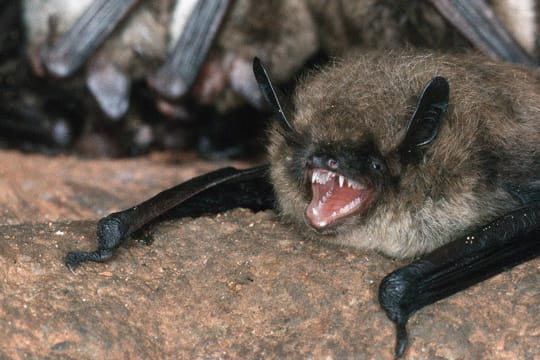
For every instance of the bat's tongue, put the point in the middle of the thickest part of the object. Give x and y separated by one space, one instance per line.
334 197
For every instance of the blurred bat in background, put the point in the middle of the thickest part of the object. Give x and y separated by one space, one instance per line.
108 47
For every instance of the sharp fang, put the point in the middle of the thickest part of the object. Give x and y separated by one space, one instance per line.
314 177
341 180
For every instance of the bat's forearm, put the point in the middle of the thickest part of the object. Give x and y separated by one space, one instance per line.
477 22
506 242
220 190
178 74
74 47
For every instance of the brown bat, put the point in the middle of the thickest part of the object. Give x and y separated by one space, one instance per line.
122 40
196 56
406 154
361 154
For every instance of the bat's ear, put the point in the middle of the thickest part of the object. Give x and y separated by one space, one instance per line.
427 118
269 93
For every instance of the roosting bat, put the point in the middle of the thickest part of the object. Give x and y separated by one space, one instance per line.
121 40
404 154
110 46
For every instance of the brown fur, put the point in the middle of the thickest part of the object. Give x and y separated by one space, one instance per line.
490 136
143 32
283 33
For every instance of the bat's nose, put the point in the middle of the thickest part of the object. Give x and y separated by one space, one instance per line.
323 162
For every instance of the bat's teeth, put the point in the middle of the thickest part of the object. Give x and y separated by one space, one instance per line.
329 175
347 208
322 176
331 201
326 196
355 185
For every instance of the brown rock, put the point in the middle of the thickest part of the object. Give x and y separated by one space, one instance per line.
35 188
235 285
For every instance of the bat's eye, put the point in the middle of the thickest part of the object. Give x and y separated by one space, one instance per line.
332 164
377 164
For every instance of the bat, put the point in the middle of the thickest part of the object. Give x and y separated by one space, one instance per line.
421 156
192 55
115 41
120 41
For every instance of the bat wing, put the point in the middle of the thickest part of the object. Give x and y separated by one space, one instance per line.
477 22
72 49
506 242
214 192
527 194
183 64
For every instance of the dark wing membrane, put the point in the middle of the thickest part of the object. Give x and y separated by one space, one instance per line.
478 23
214 192
183 64
74 47
508 241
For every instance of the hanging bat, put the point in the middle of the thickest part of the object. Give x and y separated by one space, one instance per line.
410 155
122 40
110 46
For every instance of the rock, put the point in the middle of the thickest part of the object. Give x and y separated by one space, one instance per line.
233 285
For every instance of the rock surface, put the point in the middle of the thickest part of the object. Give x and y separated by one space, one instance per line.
234 285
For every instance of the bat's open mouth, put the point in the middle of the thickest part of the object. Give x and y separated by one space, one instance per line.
334 197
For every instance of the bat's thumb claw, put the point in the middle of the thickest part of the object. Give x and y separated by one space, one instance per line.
402 340
72 261
74 258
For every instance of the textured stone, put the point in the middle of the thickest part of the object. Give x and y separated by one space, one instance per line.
42 188
234 285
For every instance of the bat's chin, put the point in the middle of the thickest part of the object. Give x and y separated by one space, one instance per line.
335 198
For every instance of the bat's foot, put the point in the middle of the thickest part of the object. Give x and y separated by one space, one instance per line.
168 84
174 79
71 50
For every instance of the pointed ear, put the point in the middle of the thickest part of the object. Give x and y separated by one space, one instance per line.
269 94
427 118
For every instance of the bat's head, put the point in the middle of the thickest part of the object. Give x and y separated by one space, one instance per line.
344 150
370 156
